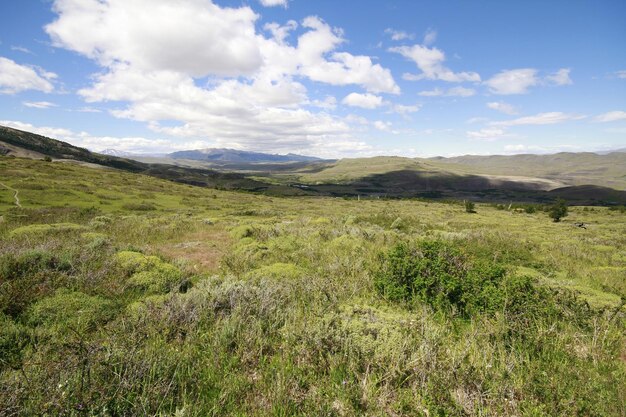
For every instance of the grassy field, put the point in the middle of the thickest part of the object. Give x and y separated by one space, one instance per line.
123 294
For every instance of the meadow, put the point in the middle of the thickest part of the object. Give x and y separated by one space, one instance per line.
123 294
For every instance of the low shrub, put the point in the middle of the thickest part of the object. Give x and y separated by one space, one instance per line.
439 274
149 273
70 310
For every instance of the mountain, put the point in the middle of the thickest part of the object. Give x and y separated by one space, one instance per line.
228 156
25 144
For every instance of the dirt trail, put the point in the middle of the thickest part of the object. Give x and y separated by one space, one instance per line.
15 195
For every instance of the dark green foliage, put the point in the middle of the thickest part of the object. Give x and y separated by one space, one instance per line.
439 274
558 210
27 276
469 206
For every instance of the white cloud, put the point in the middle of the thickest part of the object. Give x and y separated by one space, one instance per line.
516 81
273 3
430 62
430 37
365 101
611 116
195 37
155 55
561 77
382 126
540 119
519 81
51 132
621 74
39 104
398 35
521 148
21 49
502 107
451 92
88 109
15 78
487 134
329 103
405 109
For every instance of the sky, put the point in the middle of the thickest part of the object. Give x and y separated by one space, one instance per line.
324 78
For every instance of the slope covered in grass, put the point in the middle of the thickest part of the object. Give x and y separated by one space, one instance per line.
123 294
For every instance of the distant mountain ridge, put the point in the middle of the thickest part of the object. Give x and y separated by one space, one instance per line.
224 155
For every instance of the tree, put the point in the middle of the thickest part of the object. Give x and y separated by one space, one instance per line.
469 206
558 210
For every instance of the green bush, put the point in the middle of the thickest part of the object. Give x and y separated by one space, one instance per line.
439 274
558 210
70 310
149 273
14 338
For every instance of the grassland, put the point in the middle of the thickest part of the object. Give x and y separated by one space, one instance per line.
124 294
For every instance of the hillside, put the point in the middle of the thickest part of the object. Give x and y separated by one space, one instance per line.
124 294
376 177
585 168
30 145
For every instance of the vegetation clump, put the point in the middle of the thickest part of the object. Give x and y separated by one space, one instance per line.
439 274
148 273
558 210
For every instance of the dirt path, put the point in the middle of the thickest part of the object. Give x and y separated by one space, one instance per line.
15 196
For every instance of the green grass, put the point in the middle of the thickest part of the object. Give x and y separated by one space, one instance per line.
223 303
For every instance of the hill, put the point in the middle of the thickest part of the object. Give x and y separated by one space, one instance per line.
124 294
395 177
26 144
584 168
230 156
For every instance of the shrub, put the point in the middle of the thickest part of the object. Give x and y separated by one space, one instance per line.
439 274
277 270
469 206
40 229
558 210
143 206
14 338
70 310
149 273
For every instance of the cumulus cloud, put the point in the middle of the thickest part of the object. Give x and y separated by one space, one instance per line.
516 81
430 62
540 119
451 92
365 101
15 78
39 104
195 37
195 69
611 116
502 107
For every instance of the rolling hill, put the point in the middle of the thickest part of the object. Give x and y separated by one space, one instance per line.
579 178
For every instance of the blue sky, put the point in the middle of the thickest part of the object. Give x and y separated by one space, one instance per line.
325 78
